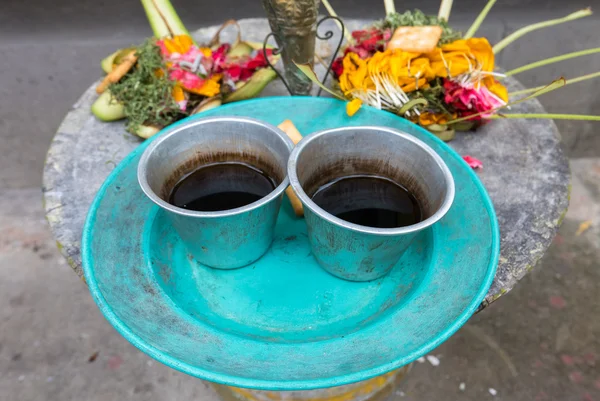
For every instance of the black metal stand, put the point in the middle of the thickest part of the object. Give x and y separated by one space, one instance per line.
326 36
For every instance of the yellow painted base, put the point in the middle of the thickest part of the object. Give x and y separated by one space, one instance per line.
375 389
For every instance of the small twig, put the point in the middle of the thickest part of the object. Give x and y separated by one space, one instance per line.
553 60
320 60
569 81
445 8
479 20
332 12
517 34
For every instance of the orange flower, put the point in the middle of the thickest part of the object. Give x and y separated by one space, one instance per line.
382 79
181 44
211 86
179 97
462 56
178 94
353 106
355 73
496 88
178 44
426 118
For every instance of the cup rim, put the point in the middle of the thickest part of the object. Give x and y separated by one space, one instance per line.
308 202
188 123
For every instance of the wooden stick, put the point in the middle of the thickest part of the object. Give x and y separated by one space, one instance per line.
118 72
292 132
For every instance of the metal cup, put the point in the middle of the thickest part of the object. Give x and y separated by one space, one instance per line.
225 239
351 251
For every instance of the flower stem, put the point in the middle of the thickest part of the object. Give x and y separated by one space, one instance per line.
553 60
552 116
479 19
445 8
559 83
517 34
332 12
569 81
390 8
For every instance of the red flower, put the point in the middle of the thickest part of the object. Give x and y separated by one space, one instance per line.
371 40
242 70
337 67
219 56
234 72
473 162
368 42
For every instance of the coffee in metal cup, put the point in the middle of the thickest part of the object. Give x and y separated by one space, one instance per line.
367 192
221 182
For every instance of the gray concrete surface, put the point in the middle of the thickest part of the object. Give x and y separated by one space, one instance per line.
540 342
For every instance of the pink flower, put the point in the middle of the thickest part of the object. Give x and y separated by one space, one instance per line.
186 78
182 105
470 99
473 162
163 49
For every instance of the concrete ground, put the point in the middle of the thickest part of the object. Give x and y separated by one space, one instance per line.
539 342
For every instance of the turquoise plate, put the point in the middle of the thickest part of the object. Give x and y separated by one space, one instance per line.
283 323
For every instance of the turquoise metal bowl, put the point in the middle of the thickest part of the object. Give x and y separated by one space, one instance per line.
283 323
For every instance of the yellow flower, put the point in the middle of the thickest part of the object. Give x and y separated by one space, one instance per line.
462 56
205 51
384 79
210 88
496 88
177 93
178 44
409 71
427 118
182 44
355 72
353 106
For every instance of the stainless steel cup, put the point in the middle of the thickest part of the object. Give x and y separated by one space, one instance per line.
350 251
230 238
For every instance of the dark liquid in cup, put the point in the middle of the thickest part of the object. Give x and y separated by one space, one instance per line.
371 201
221 186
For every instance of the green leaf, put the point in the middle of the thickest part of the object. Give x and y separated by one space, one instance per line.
307 70
107 62
445 136
253 86
410 104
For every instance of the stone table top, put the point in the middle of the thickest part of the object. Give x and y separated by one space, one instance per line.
525 171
